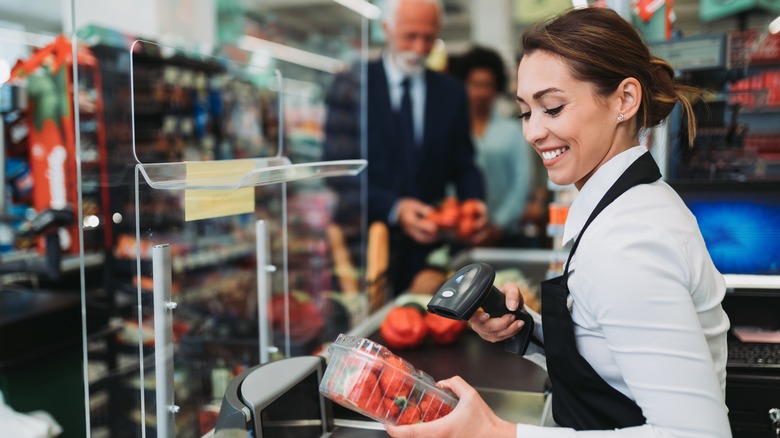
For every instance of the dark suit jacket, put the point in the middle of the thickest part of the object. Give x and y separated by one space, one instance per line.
446 156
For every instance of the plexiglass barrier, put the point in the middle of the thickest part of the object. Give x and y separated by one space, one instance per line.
41 360
215 184
217 155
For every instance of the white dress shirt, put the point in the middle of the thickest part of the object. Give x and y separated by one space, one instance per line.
646 308
417 88
395 78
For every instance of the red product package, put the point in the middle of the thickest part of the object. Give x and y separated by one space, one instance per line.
368 378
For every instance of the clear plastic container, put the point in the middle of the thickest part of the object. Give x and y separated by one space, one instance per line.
366 377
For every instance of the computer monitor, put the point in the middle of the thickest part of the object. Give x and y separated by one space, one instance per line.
740 223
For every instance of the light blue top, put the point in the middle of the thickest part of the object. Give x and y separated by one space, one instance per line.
505 157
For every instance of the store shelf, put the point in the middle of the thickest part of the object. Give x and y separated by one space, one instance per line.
174 176
69 263
188 262
769 110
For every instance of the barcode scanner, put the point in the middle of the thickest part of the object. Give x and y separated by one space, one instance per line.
471 288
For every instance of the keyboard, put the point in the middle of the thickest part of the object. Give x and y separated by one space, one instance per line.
754 355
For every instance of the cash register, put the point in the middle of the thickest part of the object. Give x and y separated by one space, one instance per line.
282 399
740 223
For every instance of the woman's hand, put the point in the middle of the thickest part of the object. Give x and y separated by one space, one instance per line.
472 417
498 329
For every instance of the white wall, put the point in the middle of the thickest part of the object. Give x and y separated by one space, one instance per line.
180 23
137 17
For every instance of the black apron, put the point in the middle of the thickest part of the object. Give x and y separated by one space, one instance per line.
582 400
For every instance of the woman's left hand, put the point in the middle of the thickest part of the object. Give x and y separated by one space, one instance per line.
472 417
501 327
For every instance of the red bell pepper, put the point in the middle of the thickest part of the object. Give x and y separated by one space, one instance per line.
444 331
403 327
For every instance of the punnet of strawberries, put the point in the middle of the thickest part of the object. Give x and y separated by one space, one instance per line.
367 377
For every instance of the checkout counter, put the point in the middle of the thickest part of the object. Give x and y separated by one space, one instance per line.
282 399
513 386
39 328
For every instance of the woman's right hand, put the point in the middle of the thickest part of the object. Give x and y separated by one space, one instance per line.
504 327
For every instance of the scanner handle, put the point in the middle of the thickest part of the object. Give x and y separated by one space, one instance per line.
495 305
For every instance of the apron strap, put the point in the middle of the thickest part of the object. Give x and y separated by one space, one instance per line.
642 171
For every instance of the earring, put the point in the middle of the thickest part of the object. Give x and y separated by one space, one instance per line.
621 118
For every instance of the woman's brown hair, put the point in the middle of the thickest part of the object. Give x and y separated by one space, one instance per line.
603 48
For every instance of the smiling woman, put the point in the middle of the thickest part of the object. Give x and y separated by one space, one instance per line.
633 331
591 103
574 129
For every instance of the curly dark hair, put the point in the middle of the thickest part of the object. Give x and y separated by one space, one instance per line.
482 57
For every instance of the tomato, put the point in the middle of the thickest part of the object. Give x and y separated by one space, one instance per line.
434 216
448 218
449 202
466 228
470 208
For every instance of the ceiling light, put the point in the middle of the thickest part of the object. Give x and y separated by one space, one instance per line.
291 54
774 26
362 7
579 4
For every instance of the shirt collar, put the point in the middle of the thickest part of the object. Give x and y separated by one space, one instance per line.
595 189
394 75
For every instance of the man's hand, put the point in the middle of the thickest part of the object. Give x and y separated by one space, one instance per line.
483 232
412 219
490 235
481 216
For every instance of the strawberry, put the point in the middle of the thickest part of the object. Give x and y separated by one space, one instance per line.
365 392
395 379
432 408
350 369
410 415
389 410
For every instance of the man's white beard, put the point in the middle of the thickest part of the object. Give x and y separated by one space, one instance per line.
409 63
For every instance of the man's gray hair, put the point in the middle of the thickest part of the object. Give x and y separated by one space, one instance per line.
389 12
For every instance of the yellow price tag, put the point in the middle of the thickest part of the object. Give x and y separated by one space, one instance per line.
205 204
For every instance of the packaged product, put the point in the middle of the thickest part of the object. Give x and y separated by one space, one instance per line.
368 378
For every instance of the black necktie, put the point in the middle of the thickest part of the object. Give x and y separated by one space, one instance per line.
405 115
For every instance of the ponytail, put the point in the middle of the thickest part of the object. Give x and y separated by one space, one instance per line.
665 93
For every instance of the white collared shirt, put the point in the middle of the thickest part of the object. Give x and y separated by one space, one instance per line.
646 308
395 78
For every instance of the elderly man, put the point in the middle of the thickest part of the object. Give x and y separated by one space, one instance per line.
418 137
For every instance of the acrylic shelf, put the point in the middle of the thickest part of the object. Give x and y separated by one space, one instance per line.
261 171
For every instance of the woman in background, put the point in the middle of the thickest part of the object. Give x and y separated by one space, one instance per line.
501 153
